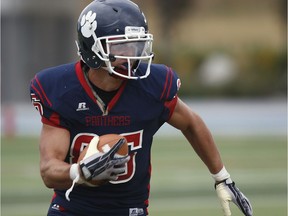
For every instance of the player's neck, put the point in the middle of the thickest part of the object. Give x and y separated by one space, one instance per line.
103 80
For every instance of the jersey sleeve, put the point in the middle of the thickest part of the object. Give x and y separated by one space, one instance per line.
170 84
162 84
40 100
165 86
169 93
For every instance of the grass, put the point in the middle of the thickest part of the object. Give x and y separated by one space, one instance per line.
180 183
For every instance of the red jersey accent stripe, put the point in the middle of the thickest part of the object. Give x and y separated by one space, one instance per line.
55 118
171 105
170 85
53 197
43 92
38 93
51 122
165 86
82 80
117 96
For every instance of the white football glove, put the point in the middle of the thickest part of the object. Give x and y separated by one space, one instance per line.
104 166
98 166
227 192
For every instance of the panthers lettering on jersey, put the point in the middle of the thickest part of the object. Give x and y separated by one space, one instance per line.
139 108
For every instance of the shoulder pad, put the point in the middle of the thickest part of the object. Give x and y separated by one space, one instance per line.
163 83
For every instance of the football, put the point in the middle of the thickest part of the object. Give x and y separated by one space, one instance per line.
103 144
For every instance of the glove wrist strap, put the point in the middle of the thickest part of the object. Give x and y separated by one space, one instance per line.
221 175
74 171
75 177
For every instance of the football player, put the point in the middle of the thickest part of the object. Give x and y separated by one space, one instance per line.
114 88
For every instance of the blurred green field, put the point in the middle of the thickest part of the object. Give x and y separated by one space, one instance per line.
181 184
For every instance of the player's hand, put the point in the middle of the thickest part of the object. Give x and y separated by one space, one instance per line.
104 166
227 192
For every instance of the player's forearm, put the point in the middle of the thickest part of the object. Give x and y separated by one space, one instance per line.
202 141
55 174
54 145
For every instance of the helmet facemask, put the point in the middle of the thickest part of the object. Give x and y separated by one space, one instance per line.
126 51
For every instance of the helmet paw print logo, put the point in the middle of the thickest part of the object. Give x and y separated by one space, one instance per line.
88 24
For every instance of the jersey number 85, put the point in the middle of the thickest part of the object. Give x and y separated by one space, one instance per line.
134 140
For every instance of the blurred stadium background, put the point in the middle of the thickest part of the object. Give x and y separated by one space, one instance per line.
232 59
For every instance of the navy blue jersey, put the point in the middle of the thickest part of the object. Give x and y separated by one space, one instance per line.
140 107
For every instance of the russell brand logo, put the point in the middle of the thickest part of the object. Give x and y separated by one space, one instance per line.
82 106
